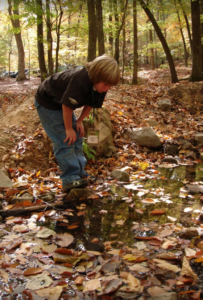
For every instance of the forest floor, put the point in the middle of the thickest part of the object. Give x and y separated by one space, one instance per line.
113 240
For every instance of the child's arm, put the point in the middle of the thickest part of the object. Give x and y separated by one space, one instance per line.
79 124
70 132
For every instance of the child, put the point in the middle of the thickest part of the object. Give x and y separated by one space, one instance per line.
56 99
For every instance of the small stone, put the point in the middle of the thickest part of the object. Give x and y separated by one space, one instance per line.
5 157
121 175
48 197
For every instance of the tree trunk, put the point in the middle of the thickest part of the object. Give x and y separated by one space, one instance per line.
58 34
15 20
135 44
182 35
92 41
201 28
40 44
49 38
110 26
187 24
100 31
151 50
116 55
196 45
162 39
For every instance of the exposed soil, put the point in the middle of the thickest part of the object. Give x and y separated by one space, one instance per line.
20 125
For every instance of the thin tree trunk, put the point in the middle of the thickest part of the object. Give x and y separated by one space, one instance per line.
49 38
58 27
187 24
15 20
196 45
182 35
162 39
92 41
110 26
151 50
40 43
135 44
116 55
100 31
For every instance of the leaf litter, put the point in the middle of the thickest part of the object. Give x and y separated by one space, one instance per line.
61 253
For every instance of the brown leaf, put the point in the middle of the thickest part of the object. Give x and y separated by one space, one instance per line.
157 212
65 239
33 271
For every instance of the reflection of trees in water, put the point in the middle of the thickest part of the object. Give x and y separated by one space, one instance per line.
190 173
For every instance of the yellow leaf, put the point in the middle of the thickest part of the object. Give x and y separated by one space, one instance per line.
120 113
143 166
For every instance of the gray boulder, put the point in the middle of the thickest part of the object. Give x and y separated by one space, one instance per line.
120 175
164 104
146 137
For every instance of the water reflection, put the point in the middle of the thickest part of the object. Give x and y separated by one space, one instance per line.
113 218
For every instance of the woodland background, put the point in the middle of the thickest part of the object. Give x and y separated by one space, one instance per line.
50 35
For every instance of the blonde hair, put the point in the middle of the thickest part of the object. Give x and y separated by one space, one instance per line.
104 68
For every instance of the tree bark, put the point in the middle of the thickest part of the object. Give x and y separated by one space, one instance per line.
49 38
187 24
116 55
92 30
110 26
40 44
196 44
58 34
100 31
182 35
162 39
15 20
151 50
135 44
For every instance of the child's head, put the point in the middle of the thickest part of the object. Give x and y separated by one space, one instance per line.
104 68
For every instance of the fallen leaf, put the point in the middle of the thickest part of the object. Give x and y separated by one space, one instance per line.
45 233
33 271
187 270
38 282
91 285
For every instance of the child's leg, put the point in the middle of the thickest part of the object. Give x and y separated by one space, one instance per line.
52 121
79 152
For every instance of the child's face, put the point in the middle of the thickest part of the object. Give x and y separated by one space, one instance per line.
102 87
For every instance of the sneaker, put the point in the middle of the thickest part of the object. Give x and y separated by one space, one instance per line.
75 184
91 178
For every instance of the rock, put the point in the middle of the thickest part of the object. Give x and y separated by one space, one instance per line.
170 159
199 138
5 181
191 154
106 130
193 188
121 175
171 149
152 123
187 146
5 157
79 193
189 233
24 197
47 197
164 104
166 296
146 137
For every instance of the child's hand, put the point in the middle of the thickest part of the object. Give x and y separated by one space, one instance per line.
80 128
70 136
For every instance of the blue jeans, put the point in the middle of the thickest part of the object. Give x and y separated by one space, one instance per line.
71 159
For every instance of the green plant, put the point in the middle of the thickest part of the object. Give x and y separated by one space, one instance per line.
90 153
90 119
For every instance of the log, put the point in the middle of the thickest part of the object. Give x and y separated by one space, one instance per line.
70 203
